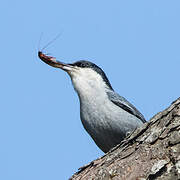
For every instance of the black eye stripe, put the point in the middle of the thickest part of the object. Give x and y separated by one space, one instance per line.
84 64
88 64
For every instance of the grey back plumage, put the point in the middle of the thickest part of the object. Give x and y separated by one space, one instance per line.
124 104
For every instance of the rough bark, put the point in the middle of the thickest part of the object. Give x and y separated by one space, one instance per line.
150 152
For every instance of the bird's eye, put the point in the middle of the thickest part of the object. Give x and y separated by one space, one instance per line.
83 65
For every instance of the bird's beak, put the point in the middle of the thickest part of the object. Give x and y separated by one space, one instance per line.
53 62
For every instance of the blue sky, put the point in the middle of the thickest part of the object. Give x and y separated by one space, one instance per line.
137 43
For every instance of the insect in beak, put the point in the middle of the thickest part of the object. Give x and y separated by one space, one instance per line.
53 62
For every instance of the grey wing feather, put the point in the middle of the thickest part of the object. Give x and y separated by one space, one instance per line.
124 104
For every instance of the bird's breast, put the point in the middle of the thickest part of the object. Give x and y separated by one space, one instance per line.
106 123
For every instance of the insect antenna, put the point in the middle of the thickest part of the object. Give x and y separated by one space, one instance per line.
50 42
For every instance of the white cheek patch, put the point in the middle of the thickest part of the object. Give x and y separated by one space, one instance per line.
87 80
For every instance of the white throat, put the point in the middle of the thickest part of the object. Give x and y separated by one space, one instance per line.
89 84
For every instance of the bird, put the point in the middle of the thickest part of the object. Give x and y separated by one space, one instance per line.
106 116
